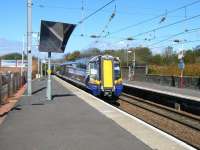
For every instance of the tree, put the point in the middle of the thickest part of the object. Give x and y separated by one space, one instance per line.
190 57
143 54
156 60
12 56
169 56
72 56
91 52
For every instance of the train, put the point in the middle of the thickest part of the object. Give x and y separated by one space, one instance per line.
101 75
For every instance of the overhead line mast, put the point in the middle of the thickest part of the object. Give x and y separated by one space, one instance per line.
29 45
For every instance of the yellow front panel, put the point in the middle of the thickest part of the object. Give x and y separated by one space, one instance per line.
107 74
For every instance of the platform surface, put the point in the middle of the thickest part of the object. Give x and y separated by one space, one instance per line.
179 92
65 123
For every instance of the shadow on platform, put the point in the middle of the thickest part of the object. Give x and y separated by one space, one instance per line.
62 95
38 90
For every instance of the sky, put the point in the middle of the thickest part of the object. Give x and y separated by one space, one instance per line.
13 25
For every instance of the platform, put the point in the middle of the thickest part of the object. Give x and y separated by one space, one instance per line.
172 91
75 120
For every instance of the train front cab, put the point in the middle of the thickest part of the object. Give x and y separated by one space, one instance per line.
104 77
111 77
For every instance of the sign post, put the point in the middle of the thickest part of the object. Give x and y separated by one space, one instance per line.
49 77
53 38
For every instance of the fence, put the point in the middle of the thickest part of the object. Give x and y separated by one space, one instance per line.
141 74
9 84
188 81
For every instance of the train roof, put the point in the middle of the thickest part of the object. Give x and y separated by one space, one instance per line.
97 58
68 63
89 59
78 61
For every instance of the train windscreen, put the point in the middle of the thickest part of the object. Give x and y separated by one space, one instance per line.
94 74
117 70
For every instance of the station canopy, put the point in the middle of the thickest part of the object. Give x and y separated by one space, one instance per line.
54 36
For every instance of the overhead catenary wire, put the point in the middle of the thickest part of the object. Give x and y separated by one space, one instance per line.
40 5
82 15
168 25
139 34
177 22
86 17
96 11
153 18
109 21
175 35
106 26
185 42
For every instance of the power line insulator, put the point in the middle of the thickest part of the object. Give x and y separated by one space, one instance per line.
162 19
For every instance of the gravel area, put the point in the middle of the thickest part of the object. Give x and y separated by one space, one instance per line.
178 130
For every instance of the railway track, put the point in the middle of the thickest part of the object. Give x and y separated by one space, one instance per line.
182 125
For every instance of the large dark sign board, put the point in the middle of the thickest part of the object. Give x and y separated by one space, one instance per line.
54 36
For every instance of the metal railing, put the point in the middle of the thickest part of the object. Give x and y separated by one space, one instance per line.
10 83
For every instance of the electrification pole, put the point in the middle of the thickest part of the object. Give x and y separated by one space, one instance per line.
29 45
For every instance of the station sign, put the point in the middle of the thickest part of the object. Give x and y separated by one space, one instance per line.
54 36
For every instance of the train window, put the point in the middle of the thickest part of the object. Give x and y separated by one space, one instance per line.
117 70
94 71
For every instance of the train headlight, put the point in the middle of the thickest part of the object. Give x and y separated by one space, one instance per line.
119 81
96 82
